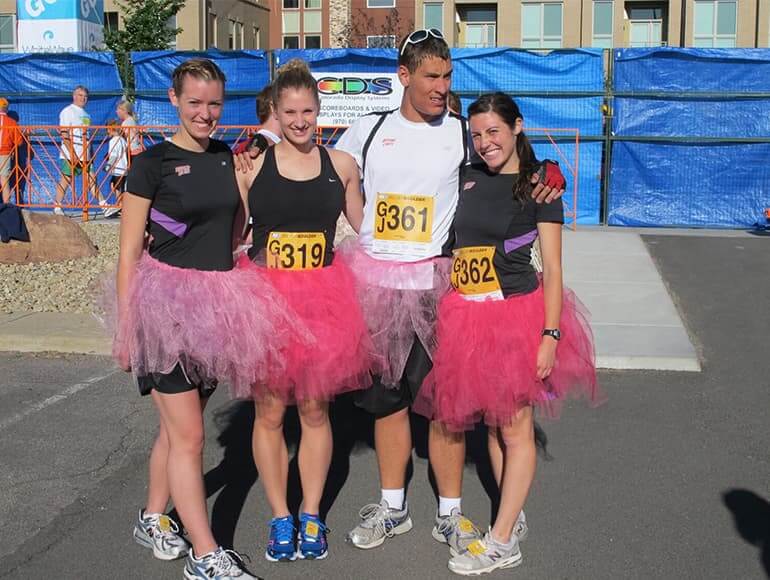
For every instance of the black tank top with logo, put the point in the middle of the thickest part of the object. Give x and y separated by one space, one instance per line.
295 221
494 233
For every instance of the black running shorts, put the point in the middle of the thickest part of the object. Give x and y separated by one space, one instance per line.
382 401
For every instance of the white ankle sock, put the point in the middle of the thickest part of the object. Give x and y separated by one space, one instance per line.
394 498
447 504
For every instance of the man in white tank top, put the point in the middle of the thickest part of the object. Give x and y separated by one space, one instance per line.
410 161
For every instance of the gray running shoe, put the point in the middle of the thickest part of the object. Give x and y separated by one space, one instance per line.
455 530
486 555
380 521
220 564
520 529
161 533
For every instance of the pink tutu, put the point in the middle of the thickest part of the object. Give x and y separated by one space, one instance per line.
485 364
204 320
399 301
323 301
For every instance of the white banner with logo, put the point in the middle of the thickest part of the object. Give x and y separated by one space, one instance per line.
345 96
60 25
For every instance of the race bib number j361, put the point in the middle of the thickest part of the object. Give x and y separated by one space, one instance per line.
296 250
473 273
403 223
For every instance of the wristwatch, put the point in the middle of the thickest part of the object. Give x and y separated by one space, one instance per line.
554 333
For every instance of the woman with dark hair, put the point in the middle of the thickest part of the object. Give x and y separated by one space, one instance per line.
508 339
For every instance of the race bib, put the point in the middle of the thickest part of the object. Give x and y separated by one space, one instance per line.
296 250
473 273
403 223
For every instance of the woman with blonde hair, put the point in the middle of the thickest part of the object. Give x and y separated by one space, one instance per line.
296 191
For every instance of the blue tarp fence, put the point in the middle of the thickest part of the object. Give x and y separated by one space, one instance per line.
536 80
688 132
39 86
246 71
688 141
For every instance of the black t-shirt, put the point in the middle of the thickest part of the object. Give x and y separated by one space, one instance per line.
194 202
278 205
488 215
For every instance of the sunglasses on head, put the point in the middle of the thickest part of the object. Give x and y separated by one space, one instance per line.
419 36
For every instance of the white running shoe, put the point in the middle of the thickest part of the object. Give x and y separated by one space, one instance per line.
161 533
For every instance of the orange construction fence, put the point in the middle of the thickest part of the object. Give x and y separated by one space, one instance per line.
42 176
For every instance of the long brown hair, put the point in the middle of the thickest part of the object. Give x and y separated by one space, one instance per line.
507 109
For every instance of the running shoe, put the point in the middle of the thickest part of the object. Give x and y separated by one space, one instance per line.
380 522
486 555
220 564
456 530
57 210
111 212
312 538
161 533
280 546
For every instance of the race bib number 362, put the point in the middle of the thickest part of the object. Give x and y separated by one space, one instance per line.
473 272
296 250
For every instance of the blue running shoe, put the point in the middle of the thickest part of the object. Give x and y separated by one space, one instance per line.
312 538
280 546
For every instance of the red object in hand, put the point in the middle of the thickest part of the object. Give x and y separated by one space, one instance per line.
241 147
550 175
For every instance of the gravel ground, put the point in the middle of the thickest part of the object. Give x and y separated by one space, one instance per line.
69 286
60 286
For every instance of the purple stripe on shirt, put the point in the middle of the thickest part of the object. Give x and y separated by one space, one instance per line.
515 243
168 223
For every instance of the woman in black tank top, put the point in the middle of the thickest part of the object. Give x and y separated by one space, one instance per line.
509 341
296 191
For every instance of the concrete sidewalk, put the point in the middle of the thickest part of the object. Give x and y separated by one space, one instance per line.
635 322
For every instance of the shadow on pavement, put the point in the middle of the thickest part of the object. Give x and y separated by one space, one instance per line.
751 514
236 474
352 430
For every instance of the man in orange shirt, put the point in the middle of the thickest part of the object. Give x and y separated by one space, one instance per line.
10 139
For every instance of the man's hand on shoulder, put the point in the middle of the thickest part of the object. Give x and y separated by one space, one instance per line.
549 182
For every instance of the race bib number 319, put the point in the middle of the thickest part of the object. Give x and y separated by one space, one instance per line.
403 222
296 250
473 273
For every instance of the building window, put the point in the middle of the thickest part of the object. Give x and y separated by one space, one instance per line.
171 25
380 3
111 21
541 24
256 38
313 4
313 41
478 25
7 33
211 29
602 37
646 24
311 22
290 4
382 41
235 35
716 23
291 41
291 22
433 16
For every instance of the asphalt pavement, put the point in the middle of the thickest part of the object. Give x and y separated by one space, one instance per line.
669 479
